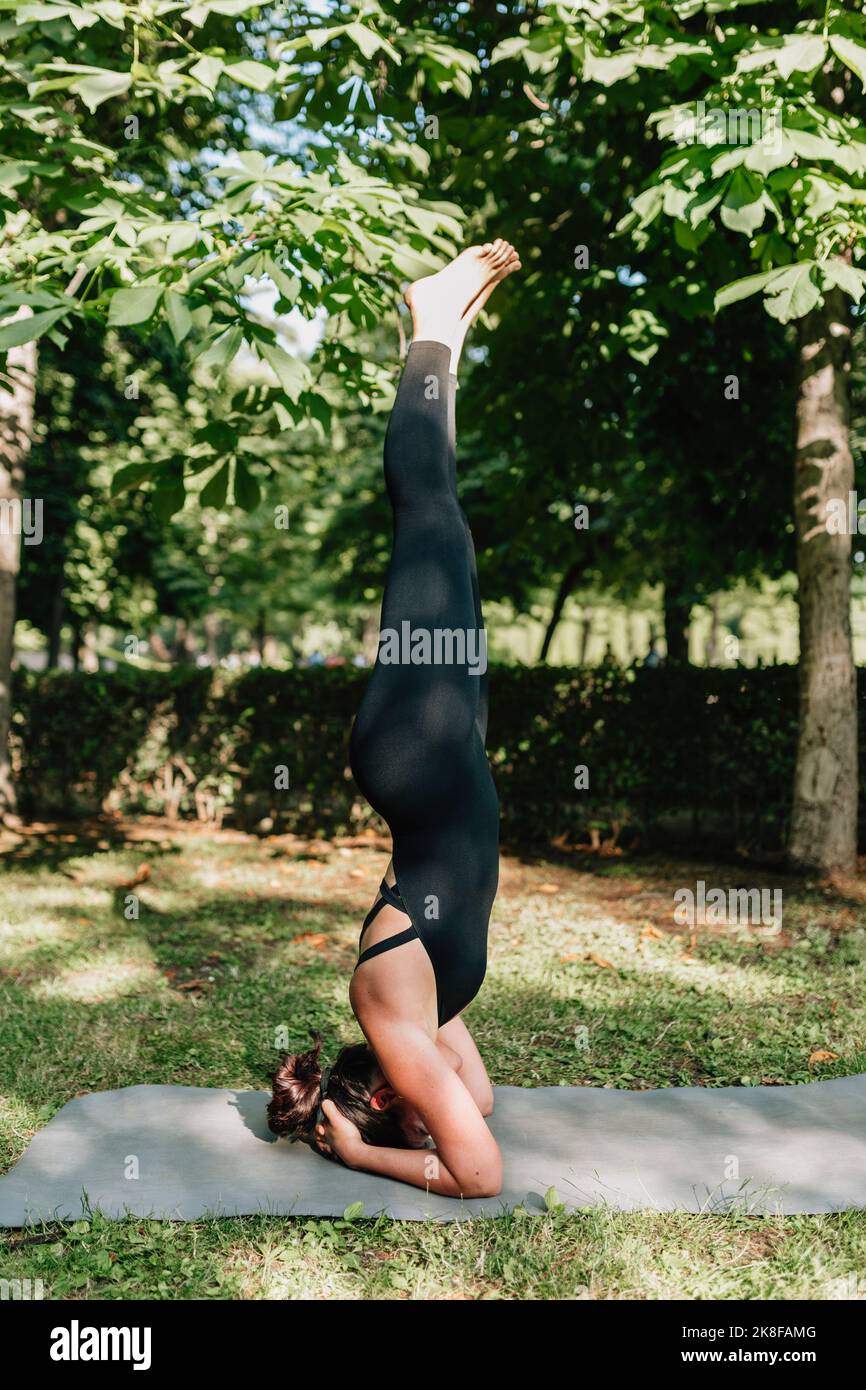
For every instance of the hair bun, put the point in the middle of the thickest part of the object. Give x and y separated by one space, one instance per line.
295 1097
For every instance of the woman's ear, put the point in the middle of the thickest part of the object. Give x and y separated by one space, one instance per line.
383 1098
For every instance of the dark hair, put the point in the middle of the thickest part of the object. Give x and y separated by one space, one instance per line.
295 1099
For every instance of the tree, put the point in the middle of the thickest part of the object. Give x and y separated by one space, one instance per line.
769 144
110 212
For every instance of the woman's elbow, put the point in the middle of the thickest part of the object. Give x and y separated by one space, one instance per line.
481 1187
482 1182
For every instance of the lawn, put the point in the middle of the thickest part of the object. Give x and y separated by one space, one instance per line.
590 983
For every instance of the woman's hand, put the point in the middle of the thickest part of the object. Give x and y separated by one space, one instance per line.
338 1135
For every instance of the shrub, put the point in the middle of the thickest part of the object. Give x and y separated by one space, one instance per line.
694 753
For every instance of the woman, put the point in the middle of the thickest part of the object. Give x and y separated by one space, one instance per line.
417 753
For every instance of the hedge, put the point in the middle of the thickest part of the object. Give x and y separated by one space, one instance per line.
688 753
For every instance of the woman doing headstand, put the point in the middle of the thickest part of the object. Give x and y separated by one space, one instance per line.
417 754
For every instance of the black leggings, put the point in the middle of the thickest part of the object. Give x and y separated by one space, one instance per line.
417 744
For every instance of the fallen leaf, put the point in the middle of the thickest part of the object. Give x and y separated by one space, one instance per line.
315 939
548 888
822 1055
140 876
652 934
572 955
600 960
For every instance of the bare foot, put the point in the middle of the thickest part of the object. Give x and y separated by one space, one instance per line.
443 305
471 314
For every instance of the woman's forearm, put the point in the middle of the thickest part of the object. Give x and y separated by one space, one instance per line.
420 1167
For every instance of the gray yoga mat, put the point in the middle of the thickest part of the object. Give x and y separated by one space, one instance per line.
184 1152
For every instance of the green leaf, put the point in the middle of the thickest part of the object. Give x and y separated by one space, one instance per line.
136 304
509 48
846 277
741 289
24 330
794 295
743 208
135 473
370 42
223 349
320 411
699 209
852 54
354 1211
775 151
215 490
98 87
181 237
609 69
801 53
169 493
168 499
198 14
247 491
179 317
258 76
207 71
219 435
290 372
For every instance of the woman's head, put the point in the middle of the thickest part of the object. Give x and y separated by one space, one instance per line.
357 1087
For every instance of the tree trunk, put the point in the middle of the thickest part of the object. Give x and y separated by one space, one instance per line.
158 648
261 635
211 638
584 628
712 651
17 393
55 626
182 642
75 641
823 831
566 584
677 615
88 656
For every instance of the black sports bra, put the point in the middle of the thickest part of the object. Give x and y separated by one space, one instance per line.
392 896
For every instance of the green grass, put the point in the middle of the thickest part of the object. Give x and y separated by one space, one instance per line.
590 984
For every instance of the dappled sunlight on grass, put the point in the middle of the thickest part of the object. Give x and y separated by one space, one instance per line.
590 983
108 976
